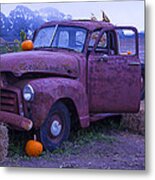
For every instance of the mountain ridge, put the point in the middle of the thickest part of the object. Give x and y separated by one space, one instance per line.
23 18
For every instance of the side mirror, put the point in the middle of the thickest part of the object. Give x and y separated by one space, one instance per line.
27 45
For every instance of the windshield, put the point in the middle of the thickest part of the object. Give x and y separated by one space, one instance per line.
66 37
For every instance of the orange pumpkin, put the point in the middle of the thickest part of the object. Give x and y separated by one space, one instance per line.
27 45
33 147
129 52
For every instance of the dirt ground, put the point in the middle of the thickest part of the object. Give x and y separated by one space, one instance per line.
101 146
125 151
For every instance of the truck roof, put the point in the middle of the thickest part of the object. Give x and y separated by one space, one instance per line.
87 24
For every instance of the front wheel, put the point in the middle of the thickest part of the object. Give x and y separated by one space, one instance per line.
56 127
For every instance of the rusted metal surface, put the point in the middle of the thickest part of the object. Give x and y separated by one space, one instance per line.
114 86
16 120
90 25
58 63
101 116
8 101
92 83
10 98
50 90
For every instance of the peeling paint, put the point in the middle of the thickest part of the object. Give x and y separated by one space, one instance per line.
94 85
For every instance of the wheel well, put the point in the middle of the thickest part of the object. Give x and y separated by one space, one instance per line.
143 70
75 122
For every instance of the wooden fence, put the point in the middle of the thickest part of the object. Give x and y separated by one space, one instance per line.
7 47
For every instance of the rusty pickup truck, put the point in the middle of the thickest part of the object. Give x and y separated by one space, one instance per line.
78 71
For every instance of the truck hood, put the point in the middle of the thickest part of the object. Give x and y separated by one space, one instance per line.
58 63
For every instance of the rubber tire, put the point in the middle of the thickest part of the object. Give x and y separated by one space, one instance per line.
52 143
142 94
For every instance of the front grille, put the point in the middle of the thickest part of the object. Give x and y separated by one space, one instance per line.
8 101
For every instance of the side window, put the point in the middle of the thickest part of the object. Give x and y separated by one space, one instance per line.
126 42
63 39
80 40
107 43
93 38
103 41
80 37
102 46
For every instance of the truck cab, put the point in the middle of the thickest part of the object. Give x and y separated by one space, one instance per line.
78 71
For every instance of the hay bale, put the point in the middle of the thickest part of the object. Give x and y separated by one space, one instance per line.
4 142
134 122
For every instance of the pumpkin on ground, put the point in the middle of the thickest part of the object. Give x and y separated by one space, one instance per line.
27 45
33 147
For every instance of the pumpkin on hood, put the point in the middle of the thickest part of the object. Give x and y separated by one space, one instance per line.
27 45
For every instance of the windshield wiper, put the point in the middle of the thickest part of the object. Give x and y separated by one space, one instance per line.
42 47
69 49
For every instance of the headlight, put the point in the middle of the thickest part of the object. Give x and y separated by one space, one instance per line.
28 93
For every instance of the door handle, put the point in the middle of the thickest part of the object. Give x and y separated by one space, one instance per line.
103 58
134 64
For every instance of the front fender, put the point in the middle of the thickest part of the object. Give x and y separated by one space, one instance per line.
50 90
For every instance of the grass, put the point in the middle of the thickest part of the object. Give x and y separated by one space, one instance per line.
17 141
77 139
97 132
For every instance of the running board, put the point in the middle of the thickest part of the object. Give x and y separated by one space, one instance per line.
96 117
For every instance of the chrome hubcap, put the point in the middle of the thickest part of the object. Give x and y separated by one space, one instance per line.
56 128
142 82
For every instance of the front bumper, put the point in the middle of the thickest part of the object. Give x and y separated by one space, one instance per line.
16 120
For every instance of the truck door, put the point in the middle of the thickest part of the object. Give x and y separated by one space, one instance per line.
114 71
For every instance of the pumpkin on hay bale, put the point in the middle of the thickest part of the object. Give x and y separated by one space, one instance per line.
4 142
